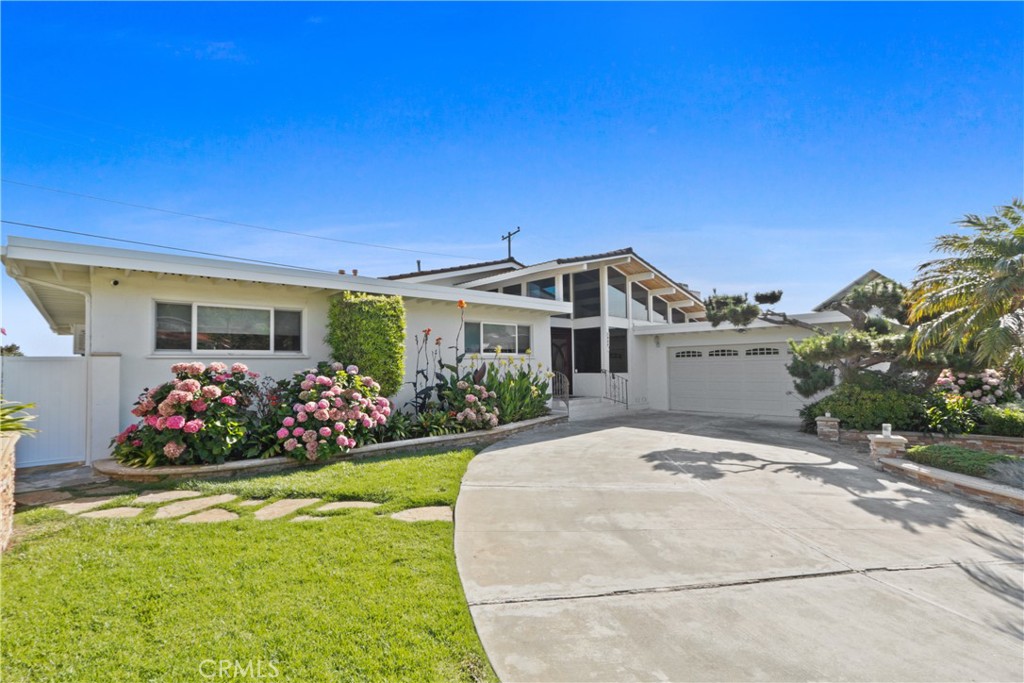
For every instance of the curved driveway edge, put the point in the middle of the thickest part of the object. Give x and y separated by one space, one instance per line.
666 546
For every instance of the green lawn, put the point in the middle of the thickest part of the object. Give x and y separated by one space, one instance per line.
357 597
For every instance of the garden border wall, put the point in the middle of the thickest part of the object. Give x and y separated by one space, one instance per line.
1005 445
116 470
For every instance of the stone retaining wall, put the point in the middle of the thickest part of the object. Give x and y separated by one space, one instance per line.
6 488
476 439
1004 445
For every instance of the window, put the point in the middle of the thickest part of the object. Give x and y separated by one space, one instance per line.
678 316
618 354
718 353
762 351
689 354
616 294
488 337
567 287
639 302
513 289
197 327
660 310
586 294
541 289
587 349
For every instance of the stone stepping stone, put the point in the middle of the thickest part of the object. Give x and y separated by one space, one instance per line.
184 507
41 497
164 497
76 506
308 518
342 504
213 515
113 513
284 507
436 513
107 490
252 503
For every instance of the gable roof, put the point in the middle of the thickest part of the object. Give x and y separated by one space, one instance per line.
864 279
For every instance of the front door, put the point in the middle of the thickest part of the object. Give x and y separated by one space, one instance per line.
561 352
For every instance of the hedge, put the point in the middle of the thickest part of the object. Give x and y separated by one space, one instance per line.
860 408
368 331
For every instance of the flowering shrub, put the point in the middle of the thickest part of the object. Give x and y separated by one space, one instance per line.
987 387
473 405
520 391
198 417
328 410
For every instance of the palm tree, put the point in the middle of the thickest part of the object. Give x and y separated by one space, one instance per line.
973 301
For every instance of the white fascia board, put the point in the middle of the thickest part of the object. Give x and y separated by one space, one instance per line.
823 318
528 273
26 249
430 277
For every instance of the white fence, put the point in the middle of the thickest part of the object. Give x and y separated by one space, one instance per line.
75 417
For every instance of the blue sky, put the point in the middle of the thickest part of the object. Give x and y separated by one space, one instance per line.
737 146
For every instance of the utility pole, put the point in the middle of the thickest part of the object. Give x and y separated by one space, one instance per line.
508 236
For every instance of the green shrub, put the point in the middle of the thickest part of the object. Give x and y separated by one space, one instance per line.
368 330
1001 421
957 459
951 414
859 408
521 392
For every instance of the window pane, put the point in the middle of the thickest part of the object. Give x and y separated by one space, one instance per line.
513 289
639 302
678 316
660 310
495 336
524 339
616 293
541 289
174 326
586 294
287 330
235 329
566 287
618 355
472 337
587 349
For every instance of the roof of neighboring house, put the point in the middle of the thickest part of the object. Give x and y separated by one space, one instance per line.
864 279
512 264
54 275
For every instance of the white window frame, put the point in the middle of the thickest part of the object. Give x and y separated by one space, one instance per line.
193 351
504 352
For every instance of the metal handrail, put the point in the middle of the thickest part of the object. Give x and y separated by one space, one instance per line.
560 389
616 388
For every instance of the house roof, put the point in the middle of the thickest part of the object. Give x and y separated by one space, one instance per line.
510 262
625 260
55 274
864 279
813 318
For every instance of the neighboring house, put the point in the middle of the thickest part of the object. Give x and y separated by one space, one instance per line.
592 318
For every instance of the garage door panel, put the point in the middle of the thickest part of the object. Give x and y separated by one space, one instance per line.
738 379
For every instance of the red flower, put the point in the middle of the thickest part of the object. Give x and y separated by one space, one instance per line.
461 303
426 332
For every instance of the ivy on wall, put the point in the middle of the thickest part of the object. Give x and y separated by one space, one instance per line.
368 331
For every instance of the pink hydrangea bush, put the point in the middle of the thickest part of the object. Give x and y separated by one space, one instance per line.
200 416
472 405
988 387
326 411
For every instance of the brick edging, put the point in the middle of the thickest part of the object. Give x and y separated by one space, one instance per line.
1006 497
115 470
1001 445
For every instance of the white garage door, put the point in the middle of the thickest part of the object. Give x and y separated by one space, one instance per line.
732 379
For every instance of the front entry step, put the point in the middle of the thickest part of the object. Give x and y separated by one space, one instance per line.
589 408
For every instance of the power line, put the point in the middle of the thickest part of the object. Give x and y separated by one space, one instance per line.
164 246
227 222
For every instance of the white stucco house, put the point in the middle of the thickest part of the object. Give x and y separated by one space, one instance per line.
607 321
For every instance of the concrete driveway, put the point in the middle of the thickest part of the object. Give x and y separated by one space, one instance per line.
664 546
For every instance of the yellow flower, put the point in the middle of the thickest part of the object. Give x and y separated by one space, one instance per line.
529 352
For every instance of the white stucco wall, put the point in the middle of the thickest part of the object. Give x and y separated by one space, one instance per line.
123 322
